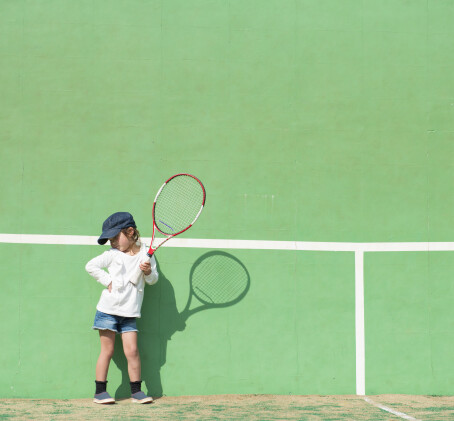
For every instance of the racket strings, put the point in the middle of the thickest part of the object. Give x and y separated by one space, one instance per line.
178 204
219 281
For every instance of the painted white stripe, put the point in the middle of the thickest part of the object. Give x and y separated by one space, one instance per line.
48 239
359 324
238 244
392 411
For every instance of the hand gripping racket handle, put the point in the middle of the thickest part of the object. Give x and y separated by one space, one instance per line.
138 273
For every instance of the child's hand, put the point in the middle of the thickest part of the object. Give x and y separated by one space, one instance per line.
110 287
145 268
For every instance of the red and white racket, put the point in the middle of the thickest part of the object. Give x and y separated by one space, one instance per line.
176 207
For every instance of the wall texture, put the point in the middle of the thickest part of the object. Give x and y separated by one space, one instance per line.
308 120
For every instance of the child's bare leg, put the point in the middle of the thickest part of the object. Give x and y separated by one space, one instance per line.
107 349
132 355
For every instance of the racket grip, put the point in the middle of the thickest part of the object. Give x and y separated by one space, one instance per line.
138 273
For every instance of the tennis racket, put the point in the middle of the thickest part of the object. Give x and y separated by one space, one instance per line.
177 205
217 280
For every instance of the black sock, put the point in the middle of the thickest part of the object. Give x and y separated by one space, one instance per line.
100 387
135 387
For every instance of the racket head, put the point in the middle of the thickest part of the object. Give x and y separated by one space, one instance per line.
178 204
219 279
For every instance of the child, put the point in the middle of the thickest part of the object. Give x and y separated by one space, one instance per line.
121 301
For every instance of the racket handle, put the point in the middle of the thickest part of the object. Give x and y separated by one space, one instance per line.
138 273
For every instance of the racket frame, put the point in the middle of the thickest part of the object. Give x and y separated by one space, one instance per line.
152 250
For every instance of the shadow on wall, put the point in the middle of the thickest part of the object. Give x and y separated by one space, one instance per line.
217 279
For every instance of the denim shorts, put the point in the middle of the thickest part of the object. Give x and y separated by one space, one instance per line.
114 323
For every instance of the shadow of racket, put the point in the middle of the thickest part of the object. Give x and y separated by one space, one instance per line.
217 280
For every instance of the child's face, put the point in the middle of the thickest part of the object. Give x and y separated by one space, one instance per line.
121 242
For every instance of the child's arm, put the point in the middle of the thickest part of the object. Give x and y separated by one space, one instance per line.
153 276
95 267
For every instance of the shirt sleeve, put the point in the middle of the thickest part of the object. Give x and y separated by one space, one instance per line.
95 267
152 278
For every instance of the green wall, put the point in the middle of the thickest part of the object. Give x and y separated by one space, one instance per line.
307 120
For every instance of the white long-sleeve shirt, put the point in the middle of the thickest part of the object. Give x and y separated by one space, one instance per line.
117 267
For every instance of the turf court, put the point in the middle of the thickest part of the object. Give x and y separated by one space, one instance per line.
239 407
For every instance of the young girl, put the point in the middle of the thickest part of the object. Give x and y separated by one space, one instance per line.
121 301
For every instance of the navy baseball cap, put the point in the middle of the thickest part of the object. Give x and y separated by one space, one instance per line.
114 224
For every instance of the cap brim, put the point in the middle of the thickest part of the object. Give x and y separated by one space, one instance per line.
108 234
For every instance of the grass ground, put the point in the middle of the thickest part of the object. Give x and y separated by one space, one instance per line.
235 407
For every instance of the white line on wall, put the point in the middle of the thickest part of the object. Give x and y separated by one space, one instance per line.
238 244
359 324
